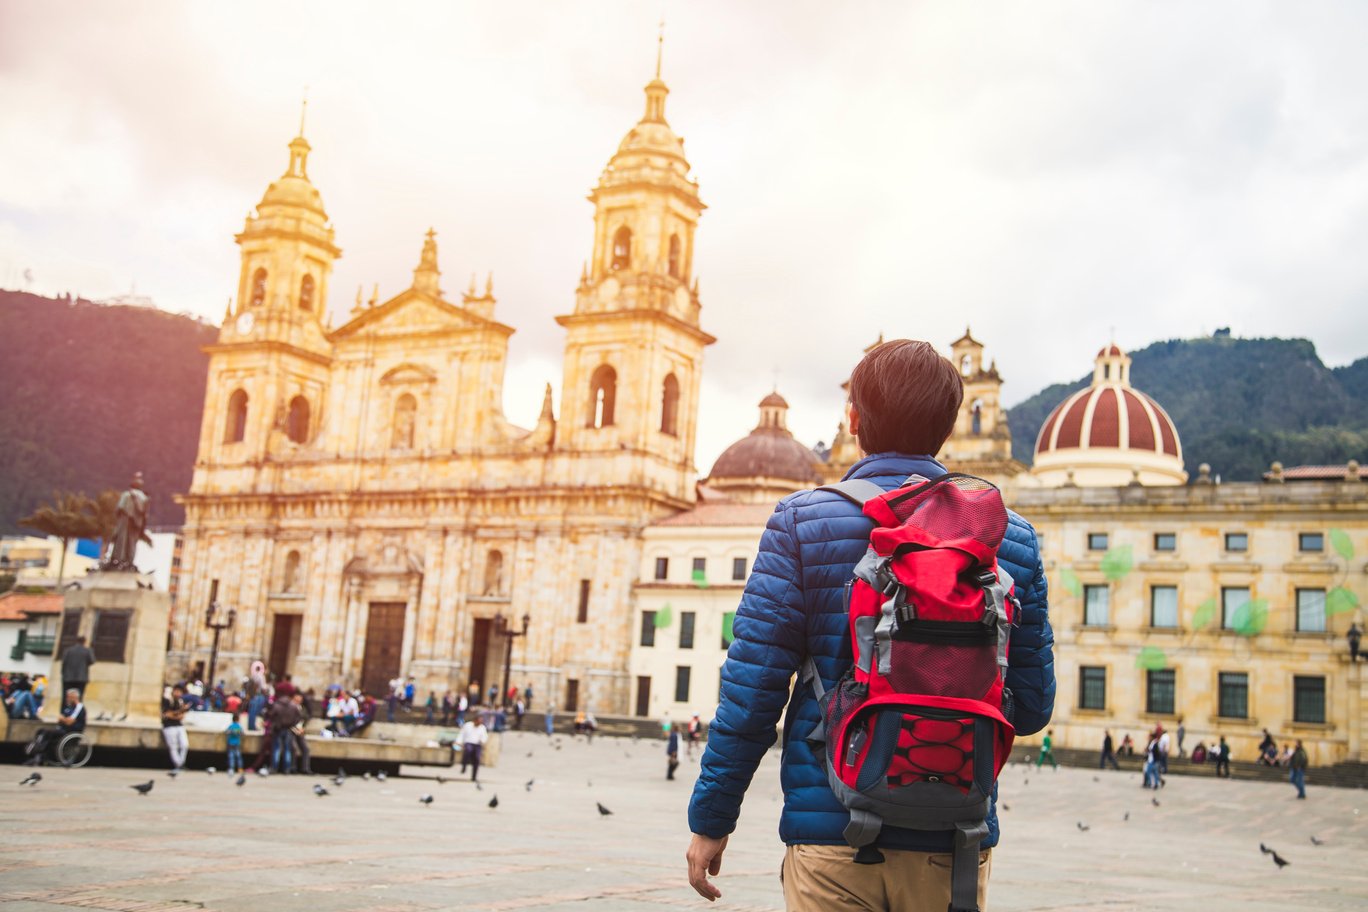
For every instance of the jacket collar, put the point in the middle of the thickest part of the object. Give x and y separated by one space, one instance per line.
895 464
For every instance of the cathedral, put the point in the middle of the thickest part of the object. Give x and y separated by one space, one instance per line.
363 504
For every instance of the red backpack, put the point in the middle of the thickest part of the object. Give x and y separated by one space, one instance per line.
916 732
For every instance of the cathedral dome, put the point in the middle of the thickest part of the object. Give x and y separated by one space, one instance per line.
1109 434
769 462
293 189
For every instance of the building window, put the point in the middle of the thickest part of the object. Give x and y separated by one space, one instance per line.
669 406
738 569
493 574
681 684
622 249
405 422
1233 598
1097 541
289 581
1096 606
700 567
297 423
648 628
1308 700
1311 610
1237 541
1159 691
1092 687
662 568
1165 541
236 428
602 395
674 256
583 615
258 288
306 293
110 636
686 629
1311 542
1163 606
571 694
1233 697
976 419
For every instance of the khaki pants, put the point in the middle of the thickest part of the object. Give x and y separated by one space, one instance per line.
819 878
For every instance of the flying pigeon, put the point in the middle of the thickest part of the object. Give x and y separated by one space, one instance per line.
1083 827
603 811
320 791
35 778
1314 840
144 788
494 802
425 799
242 779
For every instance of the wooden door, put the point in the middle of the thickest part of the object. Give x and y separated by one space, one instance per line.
384 647
572 695
479 655
643 707
284 640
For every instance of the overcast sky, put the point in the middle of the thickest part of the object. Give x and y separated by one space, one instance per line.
1050 173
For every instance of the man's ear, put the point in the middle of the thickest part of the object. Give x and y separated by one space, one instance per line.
852 419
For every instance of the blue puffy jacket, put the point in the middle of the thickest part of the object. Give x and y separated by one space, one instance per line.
792 608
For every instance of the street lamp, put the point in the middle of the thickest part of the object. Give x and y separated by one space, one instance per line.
217 620
503 629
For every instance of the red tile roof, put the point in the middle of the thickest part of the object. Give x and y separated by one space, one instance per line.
20 606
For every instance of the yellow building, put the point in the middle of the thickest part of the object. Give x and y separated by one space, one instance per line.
359 496
1225 605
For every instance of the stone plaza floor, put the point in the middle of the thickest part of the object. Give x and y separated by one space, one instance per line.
83 839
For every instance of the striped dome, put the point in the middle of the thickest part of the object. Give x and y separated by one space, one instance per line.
1109 433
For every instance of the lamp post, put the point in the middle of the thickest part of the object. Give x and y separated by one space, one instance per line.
502 627
217 620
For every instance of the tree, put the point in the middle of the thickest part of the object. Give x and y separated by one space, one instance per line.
69 516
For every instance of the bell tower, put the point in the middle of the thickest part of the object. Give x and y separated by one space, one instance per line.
268 372
634 347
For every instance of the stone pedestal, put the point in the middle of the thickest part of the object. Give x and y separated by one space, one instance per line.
126 625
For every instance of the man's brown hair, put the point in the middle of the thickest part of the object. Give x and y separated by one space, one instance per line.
907 396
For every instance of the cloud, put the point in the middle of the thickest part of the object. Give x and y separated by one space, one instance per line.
1051 173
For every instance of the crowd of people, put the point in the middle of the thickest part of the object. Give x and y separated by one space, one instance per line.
1159 746
23 695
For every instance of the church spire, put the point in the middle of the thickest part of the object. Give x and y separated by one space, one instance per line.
426 275
656 89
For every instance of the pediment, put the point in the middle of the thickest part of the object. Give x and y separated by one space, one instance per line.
409 373
413 313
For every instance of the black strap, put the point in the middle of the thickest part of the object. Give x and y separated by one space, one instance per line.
964 865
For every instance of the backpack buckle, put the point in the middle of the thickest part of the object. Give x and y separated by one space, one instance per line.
888 583
986 577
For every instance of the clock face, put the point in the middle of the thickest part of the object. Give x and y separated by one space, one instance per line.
245 323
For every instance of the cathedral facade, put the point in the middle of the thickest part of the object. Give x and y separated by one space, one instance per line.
363 504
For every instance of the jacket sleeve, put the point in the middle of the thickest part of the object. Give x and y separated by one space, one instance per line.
1030 671
767 648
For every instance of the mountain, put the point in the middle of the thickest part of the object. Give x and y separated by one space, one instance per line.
1239 404
90 394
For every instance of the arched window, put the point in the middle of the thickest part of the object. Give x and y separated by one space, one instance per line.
235 429
306 293
493 575
405 420
622 248
669 406
297 424
976 427
966 365
602 394
289 580
258 288
674 256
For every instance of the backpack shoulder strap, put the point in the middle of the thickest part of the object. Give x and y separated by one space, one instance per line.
858 491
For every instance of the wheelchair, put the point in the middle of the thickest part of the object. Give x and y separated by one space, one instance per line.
72 750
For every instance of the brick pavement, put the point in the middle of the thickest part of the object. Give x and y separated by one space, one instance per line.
83 840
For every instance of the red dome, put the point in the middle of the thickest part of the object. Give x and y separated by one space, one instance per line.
1111 416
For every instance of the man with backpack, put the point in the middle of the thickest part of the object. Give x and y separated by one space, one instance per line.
894 736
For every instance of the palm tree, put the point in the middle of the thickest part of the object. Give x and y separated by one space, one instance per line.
69 516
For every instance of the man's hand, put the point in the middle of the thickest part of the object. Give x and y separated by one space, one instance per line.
705 857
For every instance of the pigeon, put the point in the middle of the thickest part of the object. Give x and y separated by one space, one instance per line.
365 777
339 780
211 770
478 787
1314 840
1279 860
603 811
529 784
1154 801
1096 779
425 799
102 717
241 779
1006 806
1265 849
35 778
144 788
529 755
442 780
320 791
121 718
1083 827
173 772
380 776
1127 817
494 802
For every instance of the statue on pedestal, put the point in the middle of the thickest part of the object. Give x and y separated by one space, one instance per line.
129 525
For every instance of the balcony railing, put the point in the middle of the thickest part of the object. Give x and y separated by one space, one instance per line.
38 645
